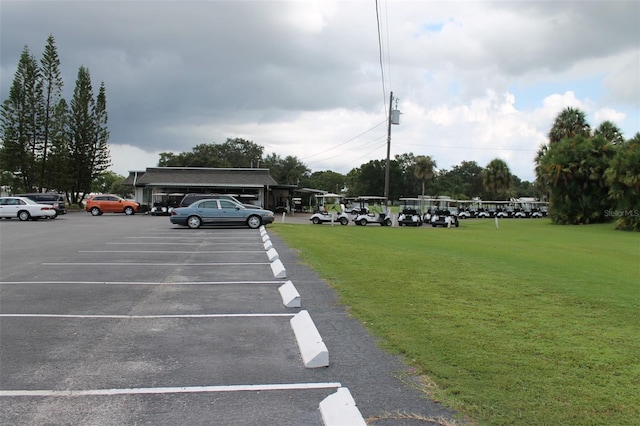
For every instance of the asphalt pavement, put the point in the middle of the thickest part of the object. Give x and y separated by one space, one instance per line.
118 320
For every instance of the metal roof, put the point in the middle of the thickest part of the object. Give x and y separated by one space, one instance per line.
201 177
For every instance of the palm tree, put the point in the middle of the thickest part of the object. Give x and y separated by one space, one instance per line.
496 177
541 184
424 169
571 122
610 132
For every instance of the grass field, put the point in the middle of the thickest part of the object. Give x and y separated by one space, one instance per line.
532 323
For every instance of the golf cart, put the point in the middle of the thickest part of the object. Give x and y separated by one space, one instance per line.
444 218
375 209
164 203
410 212
333 213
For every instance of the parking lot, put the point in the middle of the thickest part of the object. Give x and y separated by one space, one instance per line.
116 319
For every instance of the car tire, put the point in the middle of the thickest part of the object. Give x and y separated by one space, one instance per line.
94 211
128 210
254 222
24 215
344 221
316 221
194 222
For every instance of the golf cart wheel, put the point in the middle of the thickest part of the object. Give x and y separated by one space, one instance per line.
388 222
344 221
363 222
316 221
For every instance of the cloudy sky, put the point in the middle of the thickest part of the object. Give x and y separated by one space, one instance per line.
474 80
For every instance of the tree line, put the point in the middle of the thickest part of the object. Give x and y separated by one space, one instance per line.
410 175
47 143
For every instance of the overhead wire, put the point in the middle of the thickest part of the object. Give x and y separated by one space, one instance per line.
381 59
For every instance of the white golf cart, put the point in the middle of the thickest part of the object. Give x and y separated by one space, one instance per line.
163 204
330 209
376 211
410 212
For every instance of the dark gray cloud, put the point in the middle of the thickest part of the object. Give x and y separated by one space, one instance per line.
289 73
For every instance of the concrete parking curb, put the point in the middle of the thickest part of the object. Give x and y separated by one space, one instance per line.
313 350
272 254
339 409
290 295
278 269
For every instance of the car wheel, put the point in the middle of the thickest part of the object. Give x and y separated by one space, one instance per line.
363 222
194 222
254 222
95 211
316 221
344 221
24 215
128 211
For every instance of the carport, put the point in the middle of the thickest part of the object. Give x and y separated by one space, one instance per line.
254 186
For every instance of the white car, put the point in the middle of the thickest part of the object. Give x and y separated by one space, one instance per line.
25 209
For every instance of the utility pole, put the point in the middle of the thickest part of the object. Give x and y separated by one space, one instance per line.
394 118
388 163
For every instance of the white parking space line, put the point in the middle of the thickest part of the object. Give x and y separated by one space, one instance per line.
176 283
180 244
165 390
145 316
188 237
171 251
151 264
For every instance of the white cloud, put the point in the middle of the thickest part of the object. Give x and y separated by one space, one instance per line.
128 158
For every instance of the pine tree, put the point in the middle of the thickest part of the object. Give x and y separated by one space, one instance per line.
52 93
20 129
83 130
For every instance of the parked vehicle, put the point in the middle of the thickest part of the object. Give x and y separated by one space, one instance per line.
220 212
109 203
24 209
163 204
189 199
444 218
410 212
328 211
375 209
465 214
57 201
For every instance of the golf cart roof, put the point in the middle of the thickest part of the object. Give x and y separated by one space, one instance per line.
329 195
371 197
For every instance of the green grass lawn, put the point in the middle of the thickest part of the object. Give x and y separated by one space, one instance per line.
532 323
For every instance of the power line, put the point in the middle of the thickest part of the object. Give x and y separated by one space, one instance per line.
384 90
468 147
345 142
